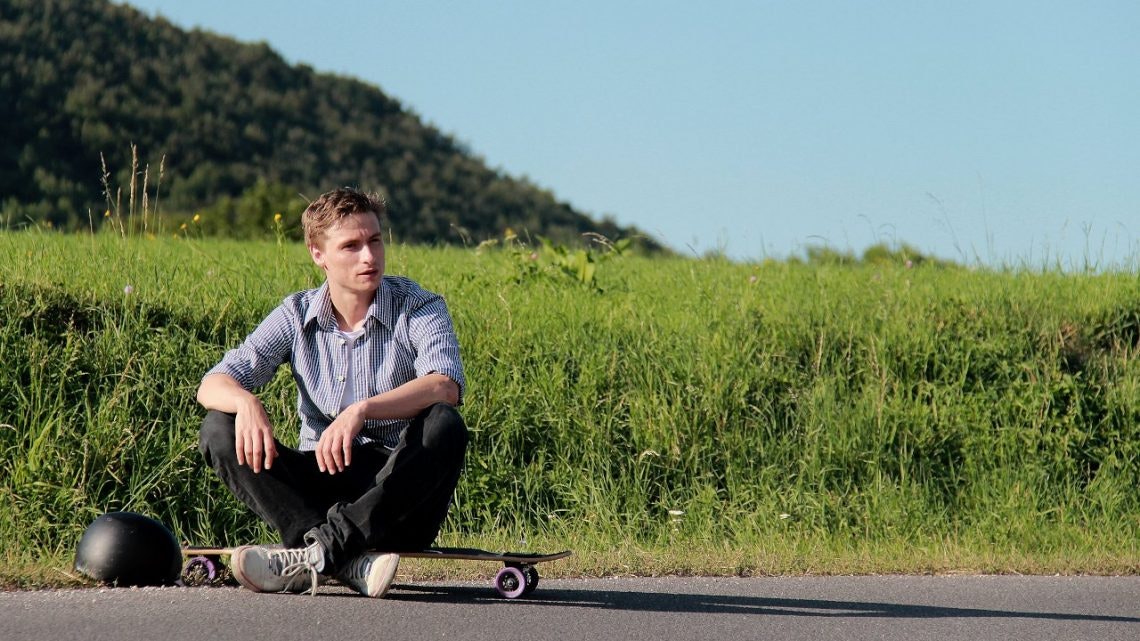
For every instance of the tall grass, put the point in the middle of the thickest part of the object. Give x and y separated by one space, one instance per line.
681 416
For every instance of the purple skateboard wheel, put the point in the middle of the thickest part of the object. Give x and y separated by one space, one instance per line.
510 582
199 570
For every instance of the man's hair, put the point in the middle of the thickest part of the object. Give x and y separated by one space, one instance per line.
331 207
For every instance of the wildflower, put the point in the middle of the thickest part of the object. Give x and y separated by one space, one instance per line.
183 227
107 214
752 279
128 290
277 218
509 234
197 217
909 264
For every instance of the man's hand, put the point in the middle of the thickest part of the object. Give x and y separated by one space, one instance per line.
253 433
253 436
334 449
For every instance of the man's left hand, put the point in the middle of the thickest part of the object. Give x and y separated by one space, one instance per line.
334 449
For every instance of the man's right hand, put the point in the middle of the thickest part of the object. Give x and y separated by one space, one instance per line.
253 436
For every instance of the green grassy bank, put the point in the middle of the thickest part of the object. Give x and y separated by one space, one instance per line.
678 416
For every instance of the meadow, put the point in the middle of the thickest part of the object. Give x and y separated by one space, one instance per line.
657 415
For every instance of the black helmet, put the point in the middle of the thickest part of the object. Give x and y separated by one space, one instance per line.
126 548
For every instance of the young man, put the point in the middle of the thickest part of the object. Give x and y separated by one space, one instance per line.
378 375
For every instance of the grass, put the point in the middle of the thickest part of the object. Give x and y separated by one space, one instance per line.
669 416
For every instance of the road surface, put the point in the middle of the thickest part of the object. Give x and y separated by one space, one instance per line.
892 607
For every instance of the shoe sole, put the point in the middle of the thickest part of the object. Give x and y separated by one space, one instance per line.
389 573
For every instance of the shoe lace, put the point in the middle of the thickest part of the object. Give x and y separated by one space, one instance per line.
294 564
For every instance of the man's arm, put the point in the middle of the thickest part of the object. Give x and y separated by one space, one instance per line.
252 364
334 450
253 434
411 398
436 345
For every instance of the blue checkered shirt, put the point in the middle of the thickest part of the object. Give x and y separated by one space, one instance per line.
407 334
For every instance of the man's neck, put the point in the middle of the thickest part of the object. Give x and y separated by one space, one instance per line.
350 308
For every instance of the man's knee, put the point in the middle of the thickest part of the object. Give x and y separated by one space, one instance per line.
217 434
444 429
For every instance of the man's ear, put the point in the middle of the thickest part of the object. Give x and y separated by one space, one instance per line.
317 255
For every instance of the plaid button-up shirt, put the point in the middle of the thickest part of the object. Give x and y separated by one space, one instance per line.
407 334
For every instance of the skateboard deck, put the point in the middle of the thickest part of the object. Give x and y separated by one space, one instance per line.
475 554
517 578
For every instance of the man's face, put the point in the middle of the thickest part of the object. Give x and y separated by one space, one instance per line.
352 254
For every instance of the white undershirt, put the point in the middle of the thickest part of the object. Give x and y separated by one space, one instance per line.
349 396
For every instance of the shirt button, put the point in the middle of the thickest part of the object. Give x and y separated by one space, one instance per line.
340 379
343 342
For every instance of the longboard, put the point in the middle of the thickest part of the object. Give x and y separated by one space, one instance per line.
517 578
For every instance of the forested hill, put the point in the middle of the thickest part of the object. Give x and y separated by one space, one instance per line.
242 132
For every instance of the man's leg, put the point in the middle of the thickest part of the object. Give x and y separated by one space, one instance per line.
404 504
288 496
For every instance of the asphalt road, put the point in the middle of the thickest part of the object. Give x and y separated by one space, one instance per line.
903 608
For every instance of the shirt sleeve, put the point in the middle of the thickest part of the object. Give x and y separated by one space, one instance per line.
437 348
255 361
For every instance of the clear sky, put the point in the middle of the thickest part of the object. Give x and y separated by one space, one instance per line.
1000 132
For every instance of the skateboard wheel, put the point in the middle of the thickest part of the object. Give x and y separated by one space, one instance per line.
199 570
510 582
531 576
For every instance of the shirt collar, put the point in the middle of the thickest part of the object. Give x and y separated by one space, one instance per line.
321 310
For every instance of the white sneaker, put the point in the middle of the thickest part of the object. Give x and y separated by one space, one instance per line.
370 573
264 569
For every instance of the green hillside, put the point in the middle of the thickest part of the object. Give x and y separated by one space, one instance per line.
83 80
682 416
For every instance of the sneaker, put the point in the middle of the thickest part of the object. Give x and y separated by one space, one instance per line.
265 569
370 573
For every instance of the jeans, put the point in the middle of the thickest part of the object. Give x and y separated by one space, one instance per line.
390 500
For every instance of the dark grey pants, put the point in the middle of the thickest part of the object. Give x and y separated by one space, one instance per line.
392 500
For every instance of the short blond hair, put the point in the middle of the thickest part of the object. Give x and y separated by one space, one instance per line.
331 207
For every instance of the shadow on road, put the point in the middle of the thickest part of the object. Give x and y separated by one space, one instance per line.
722 604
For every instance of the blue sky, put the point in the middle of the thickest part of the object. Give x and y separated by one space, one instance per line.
993 132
